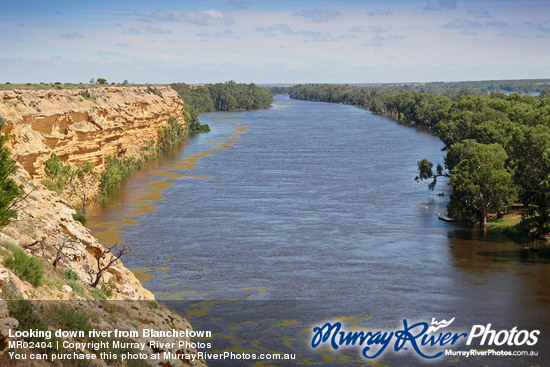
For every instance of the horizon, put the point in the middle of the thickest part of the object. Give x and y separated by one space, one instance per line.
298 42
275 84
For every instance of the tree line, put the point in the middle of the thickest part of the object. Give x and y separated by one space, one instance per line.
497 145
228 96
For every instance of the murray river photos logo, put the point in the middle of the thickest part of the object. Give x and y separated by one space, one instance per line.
426 340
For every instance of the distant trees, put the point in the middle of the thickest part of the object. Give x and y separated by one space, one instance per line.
9 189
101 81
228 96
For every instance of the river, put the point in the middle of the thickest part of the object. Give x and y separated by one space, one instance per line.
280 219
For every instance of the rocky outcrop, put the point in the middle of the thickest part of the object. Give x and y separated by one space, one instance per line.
85 124
80 125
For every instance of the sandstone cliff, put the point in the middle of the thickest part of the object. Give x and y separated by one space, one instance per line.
85 125
79 126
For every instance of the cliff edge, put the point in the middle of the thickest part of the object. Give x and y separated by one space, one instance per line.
79 126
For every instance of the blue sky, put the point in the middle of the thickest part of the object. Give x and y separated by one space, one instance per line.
273 41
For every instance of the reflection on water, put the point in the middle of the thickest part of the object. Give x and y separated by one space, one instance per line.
309 212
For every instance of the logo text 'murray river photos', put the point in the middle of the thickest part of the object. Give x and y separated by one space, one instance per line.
421 337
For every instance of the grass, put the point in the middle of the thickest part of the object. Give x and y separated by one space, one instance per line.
98 294
56 283
67 318
81 217
70 274
505 222
153 304
27 268
78 288
513 227
107 289
112 308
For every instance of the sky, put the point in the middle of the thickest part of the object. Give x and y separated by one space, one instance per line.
299 41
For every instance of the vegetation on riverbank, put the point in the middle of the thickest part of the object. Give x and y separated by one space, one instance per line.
116 169
497 145
228 96
9 190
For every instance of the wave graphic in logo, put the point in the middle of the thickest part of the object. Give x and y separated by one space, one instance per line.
439 325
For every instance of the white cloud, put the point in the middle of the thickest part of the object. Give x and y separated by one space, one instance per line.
218 35
275 29
379 40
318 15
468 32
132 31
461 24
510 34
480 12
363 29
156 30
205 17
72 35
283 29
497 24
348 36
380 12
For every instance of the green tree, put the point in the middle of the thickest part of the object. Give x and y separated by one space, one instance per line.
530 157
9 190
58 174
80 179
481 183
101 81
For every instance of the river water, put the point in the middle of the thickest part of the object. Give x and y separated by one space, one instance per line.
281 219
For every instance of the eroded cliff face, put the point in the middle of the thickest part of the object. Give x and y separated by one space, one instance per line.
85 125
79 126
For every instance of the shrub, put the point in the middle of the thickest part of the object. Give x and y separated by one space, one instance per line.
56 283
27 268
107 289
98 294
154 91
198 128
58 174
81 217
67 318
116 171
113 308
24 311
153 304
9 190
78 288
70 274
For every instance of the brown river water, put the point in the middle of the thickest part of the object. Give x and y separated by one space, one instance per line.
282 219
